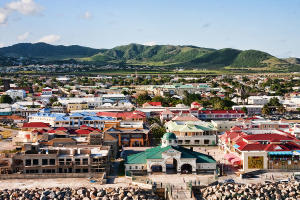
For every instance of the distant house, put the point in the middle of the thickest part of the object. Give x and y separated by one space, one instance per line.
151 104
14 94
166 115
195 104
220 114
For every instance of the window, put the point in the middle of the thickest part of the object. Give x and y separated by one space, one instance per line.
61 161
85 170
35 162
52 161
68 161
136 167
77 171
28 162
77 161
206 141
85 161
45 162
197 141
129 167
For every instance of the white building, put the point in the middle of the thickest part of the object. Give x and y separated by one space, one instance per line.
251 109
14 94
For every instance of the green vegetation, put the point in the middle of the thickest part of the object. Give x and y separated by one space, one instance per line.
6 99
187 57
251 58
47 51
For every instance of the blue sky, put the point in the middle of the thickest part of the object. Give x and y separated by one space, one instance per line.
268 25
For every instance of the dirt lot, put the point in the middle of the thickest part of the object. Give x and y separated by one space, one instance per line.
59 182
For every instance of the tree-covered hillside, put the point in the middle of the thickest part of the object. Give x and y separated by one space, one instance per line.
47 51
157 55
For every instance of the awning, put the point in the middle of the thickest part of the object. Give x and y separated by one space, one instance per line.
280 153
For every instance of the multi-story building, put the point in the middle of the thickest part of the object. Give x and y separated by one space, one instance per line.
193 133
77 106
68 159
129 137
14 94
220 114
73 120
251 109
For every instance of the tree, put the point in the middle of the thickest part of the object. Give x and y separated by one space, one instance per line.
143 98
281 109
158 131
266 110
6 99
245 110
52 100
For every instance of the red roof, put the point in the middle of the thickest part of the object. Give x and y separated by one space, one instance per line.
243 146
83 131
35 125
155 103
83 126
61 129
196 103
236 129
125 115
269 137
220 111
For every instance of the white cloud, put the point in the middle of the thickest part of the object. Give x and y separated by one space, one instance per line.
87 15
25 7
3 16
151 43
49 39
23 36
2 45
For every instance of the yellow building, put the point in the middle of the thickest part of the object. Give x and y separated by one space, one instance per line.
77 106
5 134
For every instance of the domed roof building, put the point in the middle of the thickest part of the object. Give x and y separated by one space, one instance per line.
169 157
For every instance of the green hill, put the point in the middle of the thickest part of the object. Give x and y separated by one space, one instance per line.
47 51
159 55
189 57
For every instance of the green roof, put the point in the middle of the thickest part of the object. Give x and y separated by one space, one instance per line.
156 153
169 136
153 153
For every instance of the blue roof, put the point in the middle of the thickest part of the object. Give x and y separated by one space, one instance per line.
280 153
41 114
236 146
64 117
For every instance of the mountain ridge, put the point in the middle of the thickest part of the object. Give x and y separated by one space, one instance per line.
185 56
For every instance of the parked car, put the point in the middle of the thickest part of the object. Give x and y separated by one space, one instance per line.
229 181
248 176
268 182
284 181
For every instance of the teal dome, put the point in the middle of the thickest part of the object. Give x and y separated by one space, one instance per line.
169 136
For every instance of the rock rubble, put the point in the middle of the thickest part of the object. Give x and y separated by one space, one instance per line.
271 191
130 193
